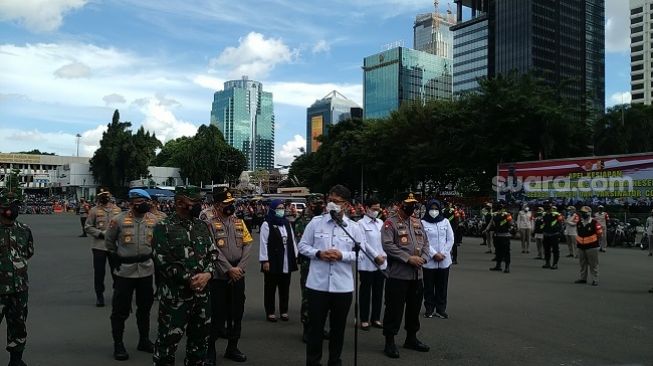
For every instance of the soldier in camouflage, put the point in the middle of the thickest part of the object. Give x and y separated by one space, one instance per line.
184 254
16 247
315 207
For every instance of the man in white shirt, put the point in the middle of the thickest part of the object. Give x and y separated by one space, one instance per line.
371 277
648 227
330 282
524 224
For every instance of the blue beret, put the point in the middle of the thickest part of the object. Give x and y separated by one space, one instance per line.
139 193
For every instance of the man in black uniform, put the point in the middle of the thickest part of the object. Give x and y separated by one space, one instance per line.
500 224
407 247
552 221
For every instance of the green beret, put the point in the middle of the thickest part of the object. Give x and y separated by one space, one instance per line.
192 192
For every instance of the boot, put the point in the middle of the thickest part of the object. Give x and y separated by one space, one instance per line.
209 360
413 343
16 359
546 265
390 349
233 353
507 269
496 268
119 351
99 300
144 343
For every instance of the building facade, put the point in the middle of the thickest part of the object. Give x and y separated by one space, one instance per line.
560 41
641 51
402 74
331 109
432 34
245 115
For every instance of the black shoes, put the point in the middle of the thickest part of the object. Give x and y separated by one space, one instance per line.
496 268
441 315
580 281
555 266
507 270
234 354
82 236
99 300
145 345
209 360
416 345
546 266
570 256
377 324
595 283
391 350
428 314
119 352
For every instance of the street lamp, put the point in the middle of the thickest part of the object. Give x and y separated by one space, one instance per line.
78 136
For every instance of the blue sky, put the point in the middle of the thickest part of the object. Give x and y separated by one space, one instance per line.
67 64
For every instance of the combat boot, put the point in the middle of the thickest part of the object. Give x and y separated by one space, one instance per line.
119 352
390 348
99 300
144 343
233 353
16 359
210 354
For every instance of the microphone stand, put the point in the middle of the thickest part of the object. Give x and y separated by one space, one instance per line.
357 249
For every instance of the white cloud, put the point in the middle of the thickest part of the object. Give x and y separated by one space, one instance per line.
38 15
290 149
619 98
304 94
61 143
73 70
255 57
113 99
321 46
160 120
617 27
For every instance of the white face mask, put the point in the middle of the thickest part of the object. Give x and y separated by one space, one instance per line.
332 207
434 213
373 214
280 212
526 209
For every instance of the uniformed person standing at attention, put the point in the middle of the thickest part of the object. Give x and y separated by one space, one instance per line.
407 248
552 223
129 240
227 287
184 257
84 208
96 226
500 225
17 247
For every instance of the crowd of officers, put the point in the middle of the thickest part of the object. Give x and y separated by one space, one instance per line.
197 260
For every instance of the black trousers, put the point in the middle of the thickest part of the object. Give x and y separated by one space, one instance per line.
82 220
123 291
400 294
320 305
436 283
454 252
502 250
551 244
371 286
227 307
272 282
100 259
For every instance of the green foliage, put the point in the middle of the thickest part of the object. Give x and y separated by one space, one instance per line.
34 152
203 158
447 145
625 129
122 156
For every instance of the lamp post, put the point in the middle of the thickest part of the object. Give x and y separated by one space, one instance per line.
78 137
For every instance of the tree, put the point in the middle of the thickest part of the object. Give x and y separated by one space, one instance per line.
34 152
624 129
122 157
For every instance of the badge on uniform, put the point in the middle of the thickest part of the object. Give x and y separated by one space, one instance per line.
220 243
404 240
128 239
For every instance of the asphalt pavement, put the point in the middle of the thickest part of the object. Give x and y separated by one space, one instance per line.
531 316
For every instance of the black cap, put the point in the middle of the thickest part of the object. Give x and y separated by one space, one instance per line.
222 194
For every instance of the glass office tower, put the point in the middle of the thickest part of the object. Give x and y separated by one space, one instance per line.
331 109
244 113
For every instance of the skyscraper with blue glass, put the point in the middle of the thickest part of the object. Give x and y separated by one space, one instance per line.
245 115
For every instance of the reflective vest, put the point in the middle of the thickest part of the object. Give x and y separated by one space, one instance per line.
588 234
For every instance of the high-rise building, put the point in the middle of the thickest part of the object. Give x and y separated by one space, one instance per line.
561 41
402 74
245 115
331 109
431 33
641 51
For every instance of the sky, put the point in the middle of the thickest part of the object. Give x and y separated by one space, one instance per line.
66 65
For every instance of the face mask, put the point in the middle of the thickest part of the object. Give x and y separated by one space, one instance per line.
333 207
142 208
280 212
195 210
104 200
408 209
585 215
434 213
527 209
373 214
318 210
229 210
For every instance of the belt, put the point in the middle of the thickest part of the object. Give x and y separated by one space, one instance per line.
137 259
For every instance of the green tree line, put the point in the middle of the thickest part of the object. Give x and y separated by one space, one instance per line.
455 145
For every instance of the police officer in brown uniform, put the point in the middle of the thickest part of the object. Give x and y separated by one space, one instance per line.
228 284
129 240
96 226
406 245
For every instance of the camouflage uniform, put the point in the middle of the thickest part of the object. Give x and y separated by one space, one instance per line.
16 247
183 247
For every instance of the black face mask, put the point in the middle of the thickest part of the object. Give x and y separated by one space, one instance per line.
585 215
318 210
229 210
195 210
142 208
103 200
408 209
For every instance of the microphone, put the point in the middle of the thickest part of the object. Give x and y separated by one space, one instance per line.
336 218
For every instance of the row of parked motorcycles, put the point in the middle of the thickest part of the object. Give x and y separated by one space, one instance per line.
628 234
